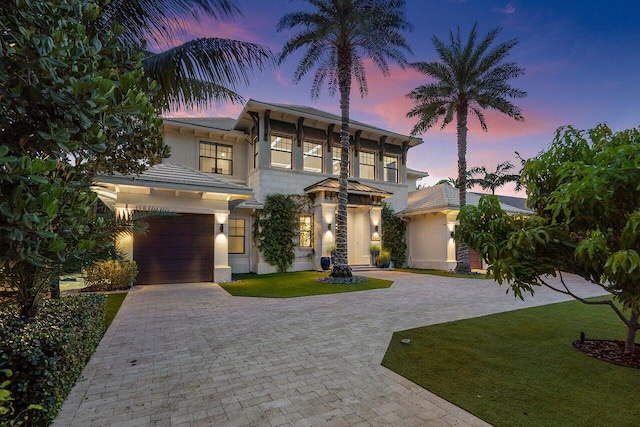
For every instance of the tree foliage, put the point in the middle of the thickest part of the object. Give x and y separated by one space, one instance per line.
394 235
74 102
338 35
471 76
585 191
275 228
495 179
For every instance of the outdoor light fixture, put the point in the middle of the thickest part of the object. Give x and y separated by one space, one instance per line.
329 227
452 234
221 228
375 228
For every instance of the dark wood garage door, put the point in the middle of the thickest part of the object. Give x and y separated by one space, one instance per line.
176 249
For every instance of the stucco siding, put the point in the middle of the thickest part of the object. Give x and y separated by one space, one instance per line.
429 237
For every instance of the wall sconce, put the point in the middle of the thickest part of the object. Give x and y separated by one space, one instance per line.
329 227
375 228
221 228
452 234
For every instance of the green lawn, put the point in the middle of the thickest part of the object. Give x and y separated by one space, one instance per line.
443 273
114 301
289 285
520 368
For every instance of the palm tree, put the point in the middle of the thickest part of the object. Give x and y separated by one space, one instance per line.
497 178
470 76
470 181
195 73
337 36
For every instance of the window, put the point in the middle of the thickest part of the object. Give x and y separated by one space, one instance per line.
337 153
216 158
281 146
390 168
367 165
236 236
256 145
312 160
306 228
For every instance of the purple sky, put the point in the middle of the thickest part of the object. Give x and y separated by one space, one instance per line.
582 60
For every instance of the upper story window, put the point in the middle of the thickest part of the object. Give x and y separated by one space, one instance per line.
312 156
335 162
390 164
367 165
306 231
256 153
236 236
216 158
281 146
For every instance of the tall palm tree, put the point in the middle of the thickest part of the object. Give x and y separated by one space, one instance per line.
338 35
472 77
497 178
195 73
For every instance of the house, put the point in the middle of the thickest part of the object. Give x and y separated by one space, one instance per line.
431 214
221 170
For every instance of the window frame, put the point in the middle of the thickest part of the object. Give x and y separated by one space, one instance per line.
305 156
214 147
372 165
308 231
275 135
388 169
230 235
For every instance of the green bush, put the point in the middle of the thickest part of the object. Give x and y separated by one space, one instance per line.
394 235
110 275
47 353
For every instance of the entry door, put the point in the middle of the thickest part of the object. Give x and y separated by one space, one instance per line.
357 236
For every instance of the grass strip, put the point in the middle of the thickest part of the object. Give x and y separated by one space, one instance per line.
296 284
114 301
520 369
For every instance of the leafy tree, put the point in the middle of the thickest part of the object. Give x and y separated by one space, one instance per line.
74 102
585 191
337 36
275 227
198 71
470 76
497 178
394 235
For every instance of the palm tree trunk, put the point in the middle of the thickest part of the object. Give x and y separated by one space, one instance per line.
341 267
462 256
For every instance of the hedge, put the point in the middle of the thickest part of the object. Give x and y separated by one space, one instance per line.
48 353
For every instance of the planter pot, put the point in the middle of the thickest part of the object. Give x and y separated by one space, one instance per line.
374 256
325 262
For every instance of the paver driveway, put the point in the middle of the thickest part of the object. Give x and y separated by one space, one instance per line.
191 354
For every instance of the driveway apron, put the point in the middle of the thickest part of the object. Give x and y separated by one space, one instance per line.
191 354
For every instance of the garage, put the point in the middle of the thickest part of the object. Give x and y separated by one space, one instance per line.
176 249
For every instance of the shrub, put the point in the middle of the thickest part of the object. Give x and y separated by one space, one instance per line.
47 353
394 235
110 275
383 259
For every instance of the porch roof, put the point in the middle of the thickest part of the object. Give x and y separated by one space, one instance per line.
353 187
178 177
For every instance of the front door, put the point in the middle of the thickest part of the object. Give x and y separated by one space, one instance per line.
358 235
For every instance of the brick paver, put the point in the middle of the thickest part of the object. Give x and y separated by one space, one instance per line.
191 354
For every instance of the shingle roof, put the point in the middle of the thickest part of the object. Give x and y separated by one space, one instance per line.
353 187
222 123
416 173
178 177
445 197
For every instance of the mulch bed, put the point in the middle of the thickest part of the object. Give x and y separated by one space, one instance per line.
609 351
341 280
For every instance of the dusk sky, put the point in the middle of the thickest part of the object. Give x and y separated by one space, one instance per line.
582 61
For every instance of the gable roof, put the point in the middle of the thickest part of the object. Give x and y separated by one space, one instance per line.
445 197
178 177
221 123
353 187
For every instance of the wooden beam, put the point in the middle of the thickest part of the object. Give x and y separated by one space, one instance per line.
381 143
330 137
300 129
405 149
267 126
357 142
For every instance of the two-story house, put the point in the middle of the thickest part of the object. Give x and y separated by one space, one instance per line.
221 170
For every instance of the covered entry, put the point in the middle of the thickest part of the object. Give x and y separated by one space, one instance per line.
176 249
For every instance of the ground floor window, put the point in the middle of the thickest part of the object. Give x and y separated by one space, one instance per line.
236 236
306 231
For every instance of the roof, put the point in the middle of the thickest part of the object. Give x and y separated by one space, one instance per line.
444 197
245 204
353 187
221 123
412 173
177 177
329 117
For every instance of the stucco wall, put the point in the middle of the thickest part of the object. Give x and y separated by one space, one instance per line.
429 241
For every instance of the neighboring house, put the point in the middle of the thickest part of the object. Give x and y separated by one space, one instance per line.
431 214
221 170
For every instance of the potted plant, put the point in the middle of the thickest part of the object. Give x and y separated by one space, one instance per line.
332 251
374 250
384 259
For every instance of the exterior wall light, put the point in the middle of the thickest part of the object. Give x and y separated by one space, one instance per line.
221 228
452 234
329 227
375 228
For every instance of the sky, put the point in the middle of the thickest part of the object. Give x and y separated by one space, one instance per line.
581 60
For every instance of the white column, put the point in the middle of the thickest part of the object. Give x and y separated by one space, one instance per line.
221 268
